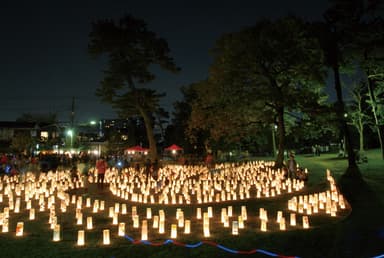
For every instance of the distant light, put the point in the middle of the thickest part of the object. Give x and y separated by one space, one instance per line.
93 122
173 151
69 132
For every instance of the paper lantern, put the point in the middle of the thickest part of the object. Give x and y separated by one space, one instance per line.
17 205
88 202
56 233
230 211
111 212
282 225
117 207
293 219
174 231
19 228
149 213
135 221
115 219
106 239
187 226
206 224
32 214
241 221
244 212
144 230
198 213
80 219
161 227
89 223
95 206
80 238
210 212
121 230
235 227
5 225
102 205
279 216
73 199
155 221
263 225
124 208
305 222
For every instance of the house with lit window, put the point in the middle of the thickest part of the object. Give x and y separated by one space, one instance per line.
37 135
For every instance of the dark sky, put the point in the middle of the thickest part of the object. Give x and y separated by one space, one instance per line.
43 47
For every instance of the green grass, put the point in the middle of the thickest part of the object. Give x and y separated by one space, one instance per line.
356 234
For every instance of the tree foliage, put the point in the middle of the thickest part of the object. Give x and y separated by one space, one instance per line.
132 49
259 74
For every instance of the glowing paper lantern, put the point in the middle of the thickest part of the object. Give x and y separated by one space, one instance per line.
5 225
206 224
135 221
210 212
121 231
235 227
305 222
149 213
241 221
144 230
79 219
115 219
102 205
155 221
187 226
263 225
106 238
19 228
80 238
293 219
174 231
32 214
56 233
282 225
88 202
124 208
198 213
89 223
111 212
244 212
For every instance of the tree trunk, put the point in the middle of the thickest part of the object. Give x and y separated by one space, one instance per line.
281 137
379 128
352 169
150 135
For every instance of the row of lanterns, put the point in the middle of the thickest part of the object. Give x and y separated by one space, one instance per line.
50 194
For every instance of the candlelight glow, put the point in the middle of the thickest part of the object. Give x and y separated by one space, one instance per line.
106 239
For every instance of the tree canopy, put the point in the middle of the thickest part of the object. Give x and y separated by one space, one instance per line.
132 49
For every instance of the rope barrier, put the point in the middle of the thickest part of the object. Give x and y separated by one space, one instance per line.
210 243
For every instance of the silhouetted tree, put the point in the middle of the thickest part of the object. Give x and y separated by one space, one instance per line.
132 50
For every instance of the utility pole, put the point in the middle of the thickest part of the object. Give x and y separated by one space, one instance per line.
73 112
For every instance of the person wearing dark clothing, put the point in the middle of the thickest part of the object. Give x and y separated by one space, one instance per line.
292 166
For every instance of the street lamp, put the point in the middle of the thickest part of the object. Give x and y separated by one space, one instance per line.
274 128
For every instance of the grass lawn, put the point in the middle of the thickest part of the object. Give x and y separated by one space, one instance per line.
356 232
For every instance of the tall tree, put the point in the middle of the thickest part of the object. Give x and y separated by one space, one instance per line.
358 114
132 49
369 51
258 75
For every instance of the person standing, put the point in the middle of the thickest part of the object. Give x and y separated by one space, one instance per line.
292 166
101 168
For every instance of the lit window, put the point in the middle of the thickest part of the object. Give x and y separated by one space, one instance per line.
44 134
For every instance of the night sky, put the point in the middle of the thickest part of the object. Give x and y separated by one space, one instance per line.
43 47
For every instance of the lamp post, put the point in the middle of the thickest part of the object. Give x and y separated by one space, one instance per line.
274 127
